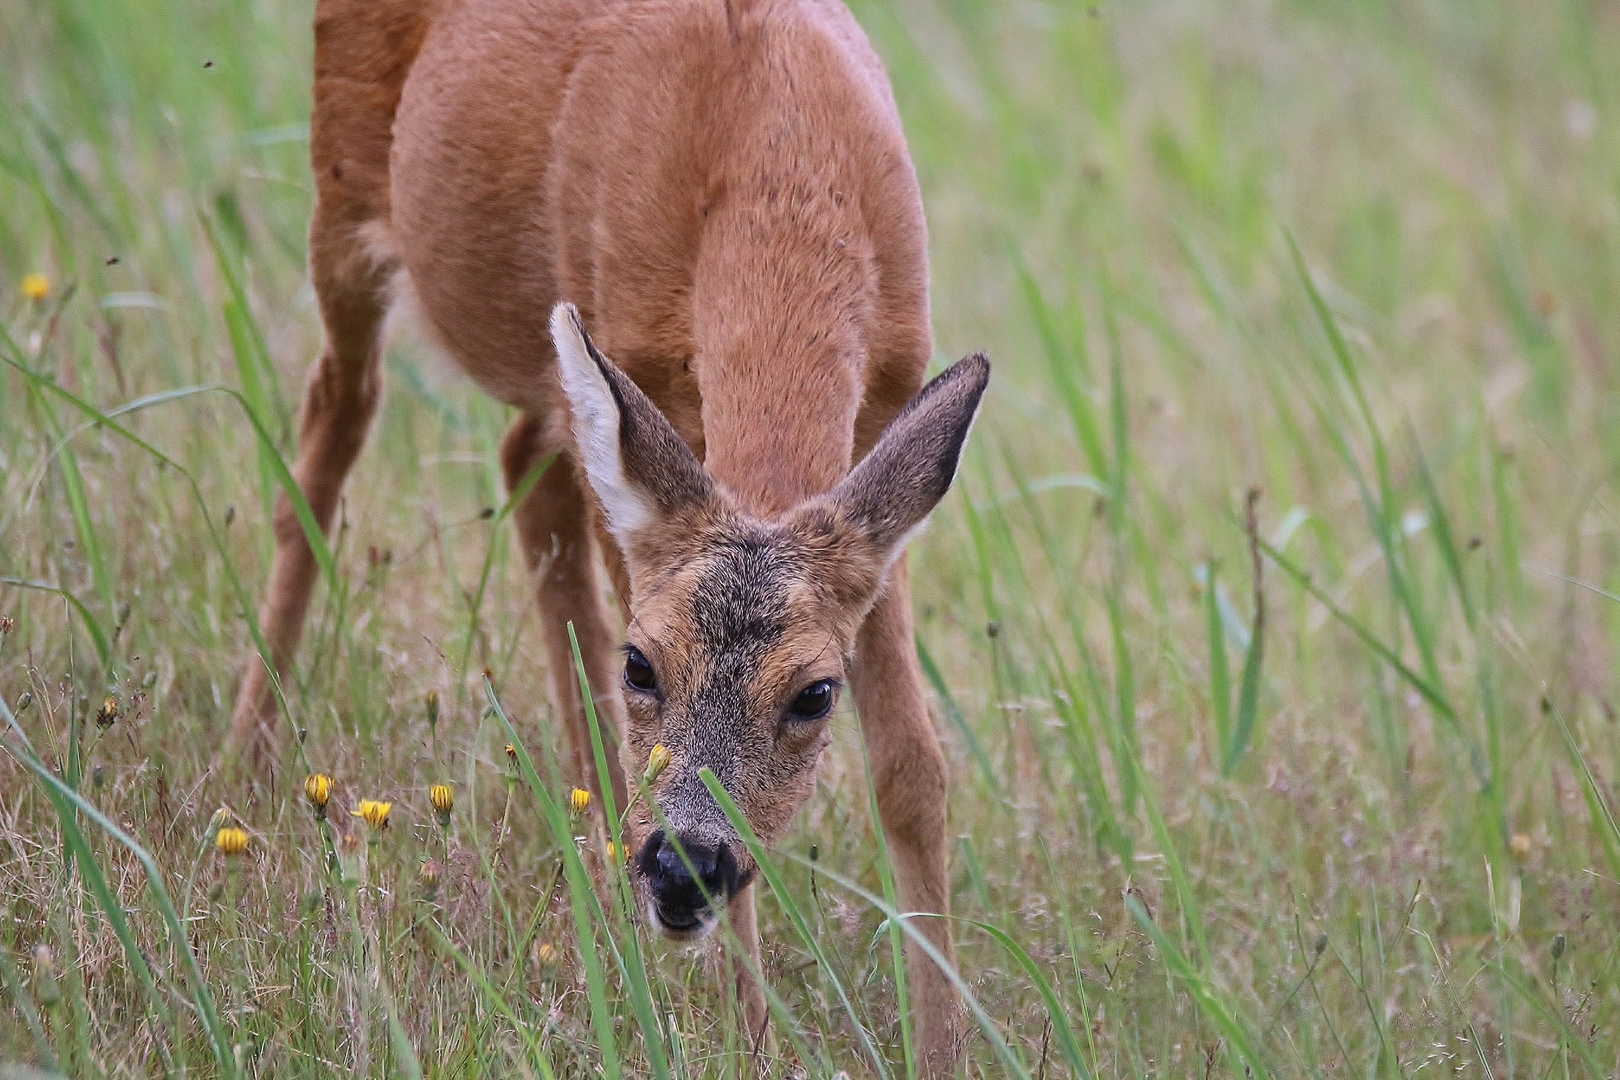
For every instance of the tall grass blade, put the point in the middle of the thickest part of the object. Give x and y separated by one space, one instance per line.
632 965
496 1000
1249 689
98 636
1055 1008
519 493
1429 692
1226 1021
24 1004
200 994
790 908
773 876
587 914
1220 679
953 713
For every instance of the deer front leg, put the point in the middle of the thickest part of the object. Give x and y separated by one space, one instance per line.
553 524
908 773
743 947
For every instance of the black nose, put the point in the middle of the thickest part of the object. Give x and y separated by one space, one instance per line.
679 896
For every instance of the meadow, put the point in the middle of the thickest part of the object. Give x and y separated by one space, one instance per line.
1269 623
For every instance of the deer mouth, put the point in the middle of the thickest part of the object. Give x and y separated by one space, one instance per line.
682 922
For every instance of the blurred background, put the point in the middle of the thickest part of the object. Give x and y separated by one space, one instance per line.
1300 307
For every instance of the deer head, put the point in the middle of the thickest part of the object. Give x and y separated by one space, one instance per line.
740 625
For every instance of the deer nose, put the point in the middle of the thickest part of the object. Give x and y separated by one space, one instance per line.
681 894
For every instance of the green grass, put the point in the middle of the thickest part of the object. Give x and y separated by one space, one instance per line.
1358 257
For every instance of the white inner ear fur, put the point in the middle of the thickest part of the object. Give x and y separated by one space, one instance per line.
596 428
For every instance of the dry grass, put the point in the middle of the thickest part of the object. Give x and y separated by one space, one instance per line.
1390 854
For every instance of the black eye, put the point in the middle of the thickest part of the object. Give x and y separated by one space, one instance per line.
638 674
815 700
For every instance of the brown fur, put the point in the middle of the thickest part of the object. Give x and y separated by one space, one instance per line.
723 190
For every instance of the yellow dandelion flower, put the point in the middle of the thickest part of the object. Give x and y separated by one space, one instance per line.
318 789
511 753
231 840
545 954
36 286
579 799
617 852
374 812
658 761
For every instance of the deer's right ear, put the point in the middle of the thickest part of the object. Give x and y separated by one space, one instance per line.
892 490
640 469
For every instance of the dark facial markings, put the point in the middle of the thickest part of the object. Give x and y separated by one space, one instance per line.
739 614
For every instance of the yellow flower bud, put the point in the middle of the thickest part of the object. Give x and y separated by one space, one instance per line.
579 799
222 817
36 286
657 761
318 789
443 798
231 840
429 874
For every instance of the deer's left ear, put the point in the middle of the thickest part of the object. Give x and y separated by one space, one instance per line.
640 468
893 489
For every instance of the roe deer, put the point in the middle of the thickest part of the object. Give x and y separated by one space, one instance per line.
722 191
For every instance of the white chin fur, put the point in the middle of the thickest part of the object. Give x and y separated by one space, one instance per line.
706 924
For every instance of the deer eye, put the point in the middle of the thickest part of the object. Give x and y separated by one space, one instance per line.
815 700
638 673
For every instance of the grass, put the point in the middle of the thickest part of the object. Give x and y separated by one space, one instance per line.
1314 782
